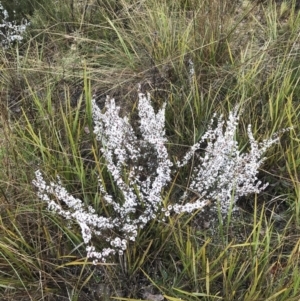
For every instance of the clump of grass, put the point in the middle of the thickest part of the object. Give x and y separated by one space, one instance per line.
242 53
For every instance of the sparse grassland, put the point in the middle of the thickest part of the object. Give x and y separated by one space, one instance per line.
243 52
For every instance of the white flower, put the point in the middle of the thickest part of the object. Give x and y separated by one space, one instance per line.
223 174
141 169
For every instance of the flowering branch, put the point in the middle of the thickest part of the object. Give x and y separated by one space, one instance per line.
141 170
223 173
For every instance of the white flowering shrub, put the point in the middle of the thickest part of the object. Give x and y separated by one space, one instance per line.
140 167
10 31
